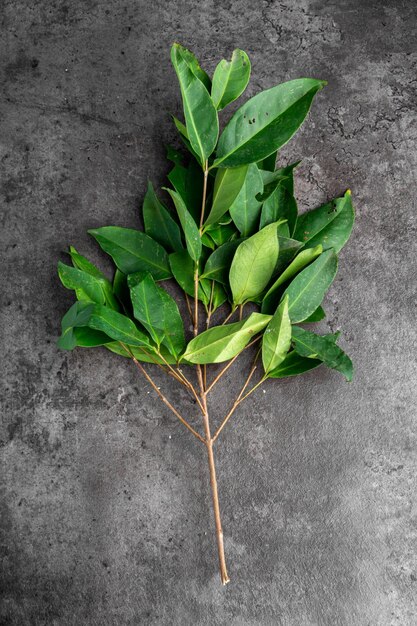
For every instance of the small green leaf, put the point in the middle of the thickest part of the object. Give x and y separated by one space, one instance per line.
192 62
318 315
222 343
191 232
293 365
307 289
268 163
182 267
266 122
329 224
117 326
214 292
253 264
89 338
227 185
230 79
301 260
276 340
222 233
246 209
218 264
77 315
324 348
288 248
87 287
199 111
157 311
133 251
159 224
82 263
121 291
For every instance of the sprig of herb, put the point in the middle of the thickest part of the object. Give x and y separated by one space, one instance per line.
232 238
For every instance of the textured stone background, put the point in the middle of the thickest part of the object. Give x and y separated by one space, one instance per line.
105 500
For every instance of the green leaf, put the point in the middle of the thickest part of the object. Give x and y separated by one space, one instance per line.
77 315
82 263
194 66
190 228
329 224
87 287
276 340
222 343
142 354
218 264
307 289
266 122
117 326
227 185
246 208
158 222
133 251
230 79
293 365
268 164
182 267
199 111
301 260
318 315
182 130
121 291
222 233
89 338
253 264
157 311
288 248
214 292
280 202
310 345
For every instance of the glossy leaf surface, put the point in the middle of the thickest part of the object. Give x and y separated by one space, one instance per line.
191 232
227 186
266 122
276 340
199 111
117 326
324 348
222 343
230 79
246 209
293 365
159 224
307 290
133 251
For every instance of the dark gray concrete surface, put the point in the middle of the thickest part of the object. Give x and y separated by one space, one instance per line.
105 507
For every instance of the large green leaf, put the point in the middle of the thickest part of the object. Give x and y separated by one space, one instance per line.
307 290
301 260
218 264
87 287
329 224
280 203
117 326
265 122
191 232
246 208
182 267
199 111
89 338
253 264
276 340
194 66
157 311
77 315
133 251
158 222
324 348
222 343
293 365
80 262
230 79
227 186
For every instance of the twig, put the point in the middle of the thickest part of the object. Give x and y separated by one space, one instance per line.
235 404
224 370
166 401
229 316
187 300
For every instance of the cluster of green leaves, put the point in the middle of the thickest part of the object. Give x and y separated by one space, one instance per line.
247 243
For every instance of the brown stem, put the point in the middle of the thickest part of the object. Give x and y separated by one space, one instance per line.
213 482
166 401
235 404
229 316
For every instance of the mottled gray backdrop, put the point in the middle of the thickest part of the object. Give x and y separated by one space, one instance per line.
105 508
